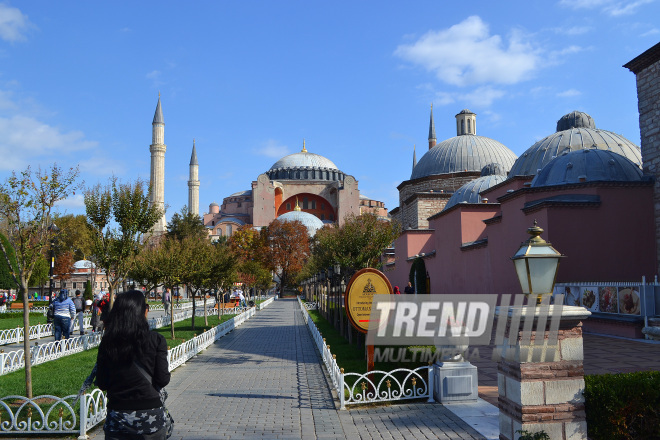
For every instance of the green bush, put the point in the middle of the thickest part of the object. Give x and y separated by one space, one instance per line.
623 406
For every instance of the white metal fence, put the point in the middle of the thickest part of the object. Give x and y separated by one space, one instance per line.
26 416
374 386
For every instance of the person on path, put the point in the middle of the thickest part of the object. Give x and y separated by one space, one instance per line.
128 354
105 309
166 301
64 310
241 298
96 313
409 290
80 308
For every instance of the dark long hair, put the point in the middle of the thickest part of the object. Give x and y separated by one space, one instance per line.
127 328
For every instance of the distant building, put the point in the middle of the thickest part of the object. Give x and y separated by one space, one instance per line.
82 272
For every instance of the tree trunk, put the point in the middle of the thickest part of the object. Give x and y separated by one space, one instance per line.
194 308
206 316
26 340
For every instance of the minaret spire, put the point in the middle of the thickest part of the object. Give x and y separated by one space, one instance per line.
432 138
304 150
414 156
157 178
193 183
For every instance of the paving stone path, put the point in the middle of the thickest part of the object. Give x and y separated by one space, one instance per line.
265 380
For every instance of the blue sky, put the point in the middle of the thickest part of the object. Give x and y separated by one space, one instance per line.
79 82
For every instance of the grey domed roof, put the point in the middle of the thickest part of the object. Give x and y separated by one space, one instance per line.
465 112
213 204
83 264
304 159
579 132
311 222
469 193
463 153
242 193
493 169
587 166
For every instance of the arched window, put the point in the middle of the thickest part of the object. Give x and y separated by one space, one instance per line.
469 126
228 230
462 127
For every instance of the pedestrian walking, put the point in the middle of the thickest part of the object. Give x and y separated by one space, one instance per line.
96 313
132 368
105 309
80 308
241 298
166 301
64 310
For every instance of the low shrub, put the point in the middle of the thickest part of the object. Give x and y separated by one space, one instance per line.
623 406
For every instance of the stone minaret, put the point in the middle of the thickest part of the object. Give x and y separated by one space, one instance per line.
414 157
466 123
193 184
157 149
432 138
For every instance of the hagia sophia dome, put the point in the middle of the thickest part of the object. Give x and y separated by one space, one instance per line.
491 175
305 166
575 131
465 152
588 165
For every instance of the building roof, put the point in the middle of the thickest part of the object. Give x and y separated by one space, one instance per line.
575 131
242 193
193 156
311 222
463 153
644 60
469 193
83 264
589 165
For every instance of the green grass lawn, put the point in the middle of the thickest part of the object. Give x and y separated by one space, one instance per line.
13 320
64 376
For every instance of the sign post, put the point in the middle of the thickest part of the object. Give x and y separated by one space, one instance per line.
358 299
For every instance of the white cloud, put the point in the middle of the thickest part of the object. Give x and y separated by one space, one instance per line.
572 31
76 202
480 97
569 93
154 76
13 23
466 54
272 148
24 139
100 165
654 31
614 8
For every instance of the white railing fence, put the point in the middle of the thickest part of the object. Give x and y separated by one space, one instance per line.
56 415
374 386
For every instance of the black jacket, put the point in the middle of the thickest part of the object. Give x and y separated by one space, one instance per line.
126 386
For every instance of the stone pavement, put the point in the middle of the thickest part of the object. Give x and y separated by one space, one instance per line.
265 381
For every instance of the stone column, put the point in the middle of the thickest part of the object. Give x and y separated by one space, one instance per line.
541 380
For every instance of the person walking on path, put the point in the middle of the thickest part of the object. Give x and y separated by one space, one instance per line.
80 308
128 354
96 313
166 301
241 298
64 310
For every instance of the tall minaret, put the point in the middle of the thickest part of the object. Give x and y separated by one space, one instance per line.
157 149
432 139
193 184
414 157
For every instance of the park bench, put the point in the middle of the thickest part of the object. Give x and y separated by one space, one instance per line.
16 305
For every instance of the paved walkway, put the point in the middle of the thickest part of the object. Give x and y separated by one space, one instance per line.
265 381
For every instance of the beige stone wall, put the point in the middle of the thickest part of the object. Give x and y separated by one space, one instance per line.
648 96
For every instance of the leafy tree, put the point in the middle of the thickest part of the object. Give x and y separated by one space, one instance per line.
27 200
286 249
144 269
223 269
6 279
74 236
63 266
119 216
247 244
253 274
40 273
358 244
89 292
186 224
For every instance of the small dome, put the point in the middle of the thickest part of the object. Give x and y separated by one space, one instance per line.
83 264
575 119
311 222
242 193
213 205
493 169
302 160
588 166
465 112
579 132
469 193
463 153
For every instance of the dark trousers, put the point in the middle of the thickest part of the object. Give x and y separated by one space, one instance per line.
61 327
158 435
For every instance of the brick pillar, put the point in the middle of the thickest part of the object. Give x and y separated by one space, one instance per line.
541 383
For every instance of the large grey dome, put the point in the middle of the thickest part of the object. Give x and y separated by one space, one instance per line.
311 222
469 193
463 153
576 131
302 160
587 166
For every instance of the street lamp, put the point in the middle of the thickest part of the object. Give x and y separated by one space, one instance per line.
53 230
536 264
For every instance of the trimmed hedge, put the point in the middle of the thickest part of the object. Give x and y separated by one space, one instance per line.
623 406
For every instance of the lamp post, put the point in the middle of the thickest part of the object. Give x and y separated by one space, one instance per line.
53 229
536 264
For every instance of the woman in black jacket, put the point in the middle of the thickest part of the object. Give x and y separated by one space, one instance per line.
135 410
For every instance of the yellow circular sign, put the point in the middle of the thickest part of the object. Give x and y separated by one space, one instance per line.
360 293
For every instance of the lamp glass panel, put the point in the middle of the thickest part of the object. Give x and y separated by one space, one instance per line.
521 270
542 250
542 272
